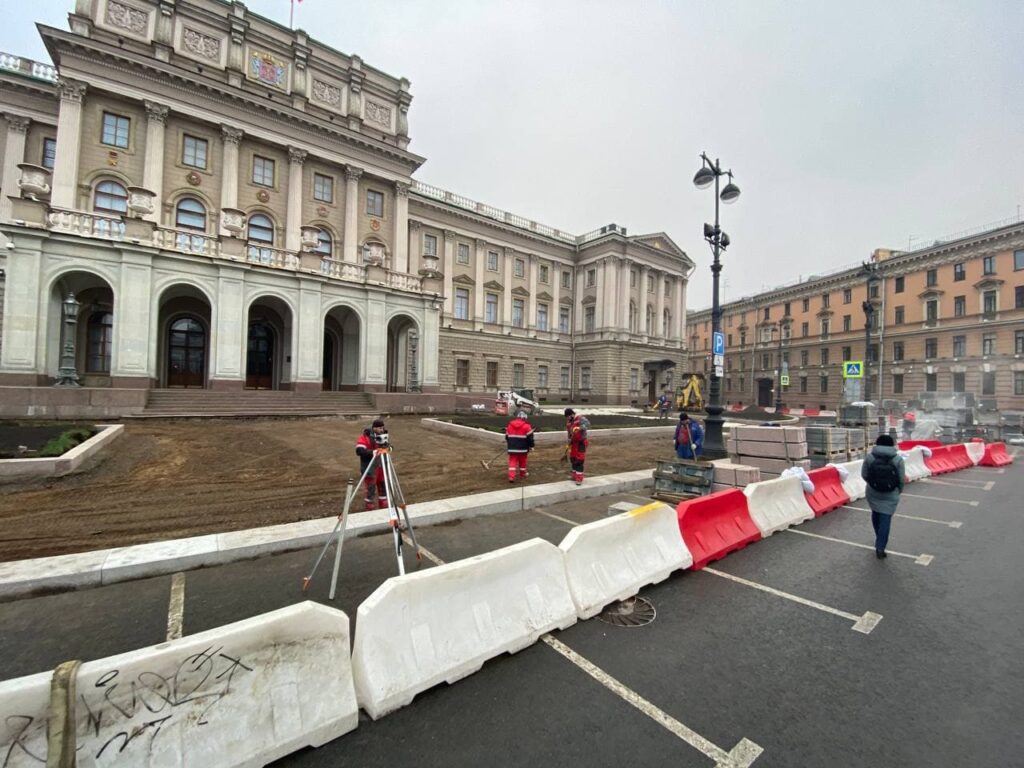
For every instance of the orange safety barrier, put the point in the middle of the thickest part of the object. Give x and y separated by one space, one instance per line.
828 493
957 453
906 445
995 456
812 411
713 526
939 463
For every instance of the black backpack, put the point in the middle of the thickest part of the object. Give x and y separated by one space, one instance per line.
883 474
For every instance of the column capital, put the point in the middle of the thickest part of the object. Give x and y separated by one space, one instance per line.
450 234
480 243
402 189
414 224
157 113
296 156
352 173
230 134
71 90
16 123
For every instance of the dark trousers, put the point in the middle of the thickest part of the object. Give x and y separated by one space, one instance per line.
881 524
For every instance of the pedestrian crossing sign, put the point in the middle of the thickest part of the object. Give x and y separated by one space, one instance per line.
853 369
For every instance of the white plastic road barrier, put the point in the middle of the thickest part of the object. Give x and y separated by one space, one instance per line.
854 484
777 504
612 559
245 694
913 461
442 624
975 451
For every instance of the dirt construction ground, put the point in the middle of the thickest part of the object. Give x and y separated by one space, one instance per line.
164 480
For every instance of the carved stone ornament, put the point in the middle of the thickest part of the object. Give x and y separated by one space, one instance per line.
268 69
193 178
375 225
233 220
326 93
34 180
198 44
126 17
378 113
263 196
373 253
309 236
140 201
230 135
322 211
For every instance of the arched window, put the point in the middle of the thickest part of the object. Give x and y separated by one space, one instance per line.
110 197
190 214
261 238
324 243
100 337
632 317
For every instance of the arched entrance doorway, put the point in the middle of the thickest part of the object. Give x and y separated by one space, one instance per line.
403 355
341 349
184 337
259 358
93 331
268 344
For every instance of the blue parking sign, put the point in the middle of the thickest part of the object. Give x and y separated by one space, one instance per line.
718 344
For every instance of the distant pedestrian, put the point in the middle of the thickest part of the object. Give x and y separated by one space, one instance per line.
576 429
689 438
909 422
664 403
518 441
885 474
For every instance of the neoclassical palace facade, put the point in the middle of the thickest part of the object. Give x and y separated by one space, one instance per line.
220 202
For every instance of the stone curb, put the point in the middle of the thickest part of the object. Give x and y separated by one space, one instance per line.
64 464
21 578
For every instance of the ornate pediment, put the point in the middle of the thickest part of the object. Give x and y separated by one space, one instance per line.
589 300
988 282
463 280
494 285
544 296
520 291
930 293
660 242
565 300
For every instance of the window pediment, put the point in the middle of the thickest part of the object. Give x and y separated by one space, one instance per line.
931 293
544 296
589 300
988 282
463 280
520 291
494 285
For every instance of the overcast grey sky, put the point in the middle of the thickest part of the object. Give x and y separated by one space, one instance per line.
849 126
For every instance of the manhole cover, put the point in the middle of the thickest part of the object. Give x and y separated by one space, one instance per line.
634 612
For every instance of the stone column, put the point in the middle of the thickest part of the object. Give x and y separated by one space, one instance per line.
350 236
507 254
644 299
577 297
625 294
132 314
375 343
478 277
556 290
608 304
659 306
429 349
680 321
229 344
309 349
293 235
448 265
24 330
400 263
531 303
415 245
14 153
153 167
229 176
69 130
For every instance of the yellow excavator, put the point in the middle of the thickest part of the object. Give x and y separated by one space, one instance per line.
690 397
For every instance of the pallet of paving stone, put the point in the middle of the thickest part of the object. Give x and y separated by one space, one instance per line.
665 487
769 434
827 440
687 472
794 451
734 475
765 464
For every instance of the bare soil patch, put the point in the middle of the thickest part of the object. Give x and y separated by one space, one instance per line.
164 480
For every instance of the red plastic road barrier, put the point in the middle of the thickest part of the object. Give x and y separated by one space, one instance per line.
828 491
713 526
738 407
939 463
785 410
957 453
995 456
906 445
812 411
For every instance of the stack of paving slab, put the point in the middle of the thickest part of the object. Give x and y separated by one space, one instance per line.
729 475
827 445
857 438
772 450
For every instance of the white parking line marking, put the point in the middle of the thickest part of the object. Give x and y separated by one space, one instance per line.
176 609
947 523
556 517
939 498
742 755
863 624
985 486
919 559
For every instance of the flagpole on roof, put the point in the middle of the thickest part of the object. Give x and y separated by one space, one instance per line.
291 15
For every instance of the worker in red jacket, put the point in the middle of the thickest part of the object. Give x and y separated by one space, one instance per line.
519 440
576 427
373 439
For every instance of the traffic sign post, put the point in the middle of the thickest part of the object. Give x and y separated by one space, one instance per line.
853 369
718 343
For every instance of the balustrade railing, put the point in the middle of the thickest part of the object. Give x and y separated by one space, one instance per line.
271 257
186 242
86 224
343 270
403 282
36 69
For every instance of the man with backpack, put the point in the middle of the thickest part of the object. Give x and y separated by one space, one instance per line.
885 474
576 428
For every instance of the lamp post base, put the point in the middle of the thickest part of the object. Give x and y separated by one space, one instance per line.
714 444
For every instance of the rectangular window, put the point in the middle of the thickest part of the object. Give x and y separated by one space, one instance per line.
988 265
567 279
462 373
873 290
847 354
1018 261
959 382
323 188
872 353
806 304
1018 297
823 385
931 278
563 319
988 344
591 278
518 375
650 283
824 356
825 328
931 348
897 351
824 300
462 257
959 272
931 310
897 383
491 308
193 152
517 313
847 296
900 284
262 171
803 385
492 373
374 203
430 245
804 357
1018 381
785 309
931 382
563 377
767 313
115 130
743 338
668 289
988 302
49 153
588 319
462 304
847 323
1018 343
988 383
542 377
959 346
519 268
542 317
805 328
492 261
766 362
585 377
900 316
545 273
959 306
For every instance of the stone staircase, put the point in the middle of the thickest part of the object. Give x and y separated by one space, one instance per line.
205 403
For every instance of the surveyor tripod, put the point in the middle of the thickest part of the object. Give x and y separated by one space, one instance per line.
398 517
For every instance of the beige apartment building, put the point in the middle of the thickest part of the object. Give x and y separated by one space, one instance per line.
219 202
948 318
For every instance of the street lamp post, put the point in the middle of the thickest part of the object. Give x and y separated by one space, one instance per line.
871 273
67 374
783 325
711 171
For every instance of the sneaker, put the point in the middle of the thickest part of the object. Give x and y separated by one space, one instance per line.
880 554
579 481
511 479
